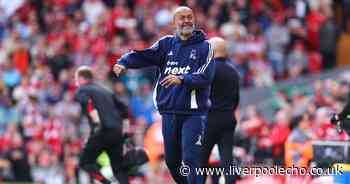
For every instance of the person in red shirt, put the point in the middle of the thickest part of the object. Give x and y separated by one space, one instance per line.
273 142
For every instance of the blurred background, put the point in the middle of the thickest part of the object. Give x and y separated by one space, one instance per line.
291 55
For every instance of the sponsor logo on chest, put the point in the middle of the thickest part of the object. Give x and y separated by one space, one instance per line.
173 68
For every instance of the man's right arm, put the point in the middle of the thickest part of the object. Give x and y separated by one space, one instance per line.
151 56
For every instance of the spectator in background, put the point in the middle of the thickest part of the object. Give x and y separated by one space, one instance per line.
324 129
298 148
270 143
149 27
154 145
58 60
253 126
10 76
133 80
3 53
8 112
83 55
277 38
233 29
297 61
47 169
93 10
278 135
120 92
300 8
295 23
328 39
54 94
20 57
164 15
314 21
256 43
142 104
19 93
299 102
4 170
261 71
315 61
19 160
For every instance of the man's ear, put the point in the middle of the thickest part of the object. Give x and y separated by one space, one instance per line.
173 17
173 21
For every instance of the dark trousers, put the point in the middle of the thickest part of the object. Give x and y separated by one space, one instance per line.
220 130
183 136
109 140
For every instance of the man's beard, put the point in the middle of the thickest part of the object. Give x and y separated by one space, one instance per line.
186 30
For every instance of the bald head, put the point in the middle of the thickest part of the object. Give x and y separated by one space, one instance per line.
181 9
219 46
183 20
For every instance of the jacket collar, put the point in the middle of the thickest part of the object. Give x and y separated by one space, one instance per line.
197 36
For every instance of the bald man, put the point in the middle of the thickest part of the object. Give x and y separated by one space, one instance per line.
181 94
225 98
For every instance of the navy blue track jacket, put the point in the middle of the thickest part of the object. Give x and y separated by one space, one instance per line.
192 59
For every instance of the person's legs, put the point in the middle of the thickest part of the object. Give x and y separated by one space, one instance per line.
87 161
211 137
171 130
114 149
226 154
192 145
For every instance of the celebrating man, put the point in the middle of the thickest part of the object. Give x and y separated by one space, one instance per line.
182 91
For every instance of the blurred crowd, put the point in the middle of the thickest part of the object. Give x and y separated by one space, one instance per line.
302 115
42 43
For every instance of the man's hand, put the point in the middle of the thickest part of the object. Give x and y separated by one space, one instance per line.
171 80
118 69
94 116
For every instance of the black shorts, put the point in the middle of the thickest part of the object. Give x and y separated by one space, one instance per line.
108 140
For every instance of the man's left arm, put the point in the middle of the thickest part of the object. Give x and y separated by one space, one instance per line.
204 75
82 98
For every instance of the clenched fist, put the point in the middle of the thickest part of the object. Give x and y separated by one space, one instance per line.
118 69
